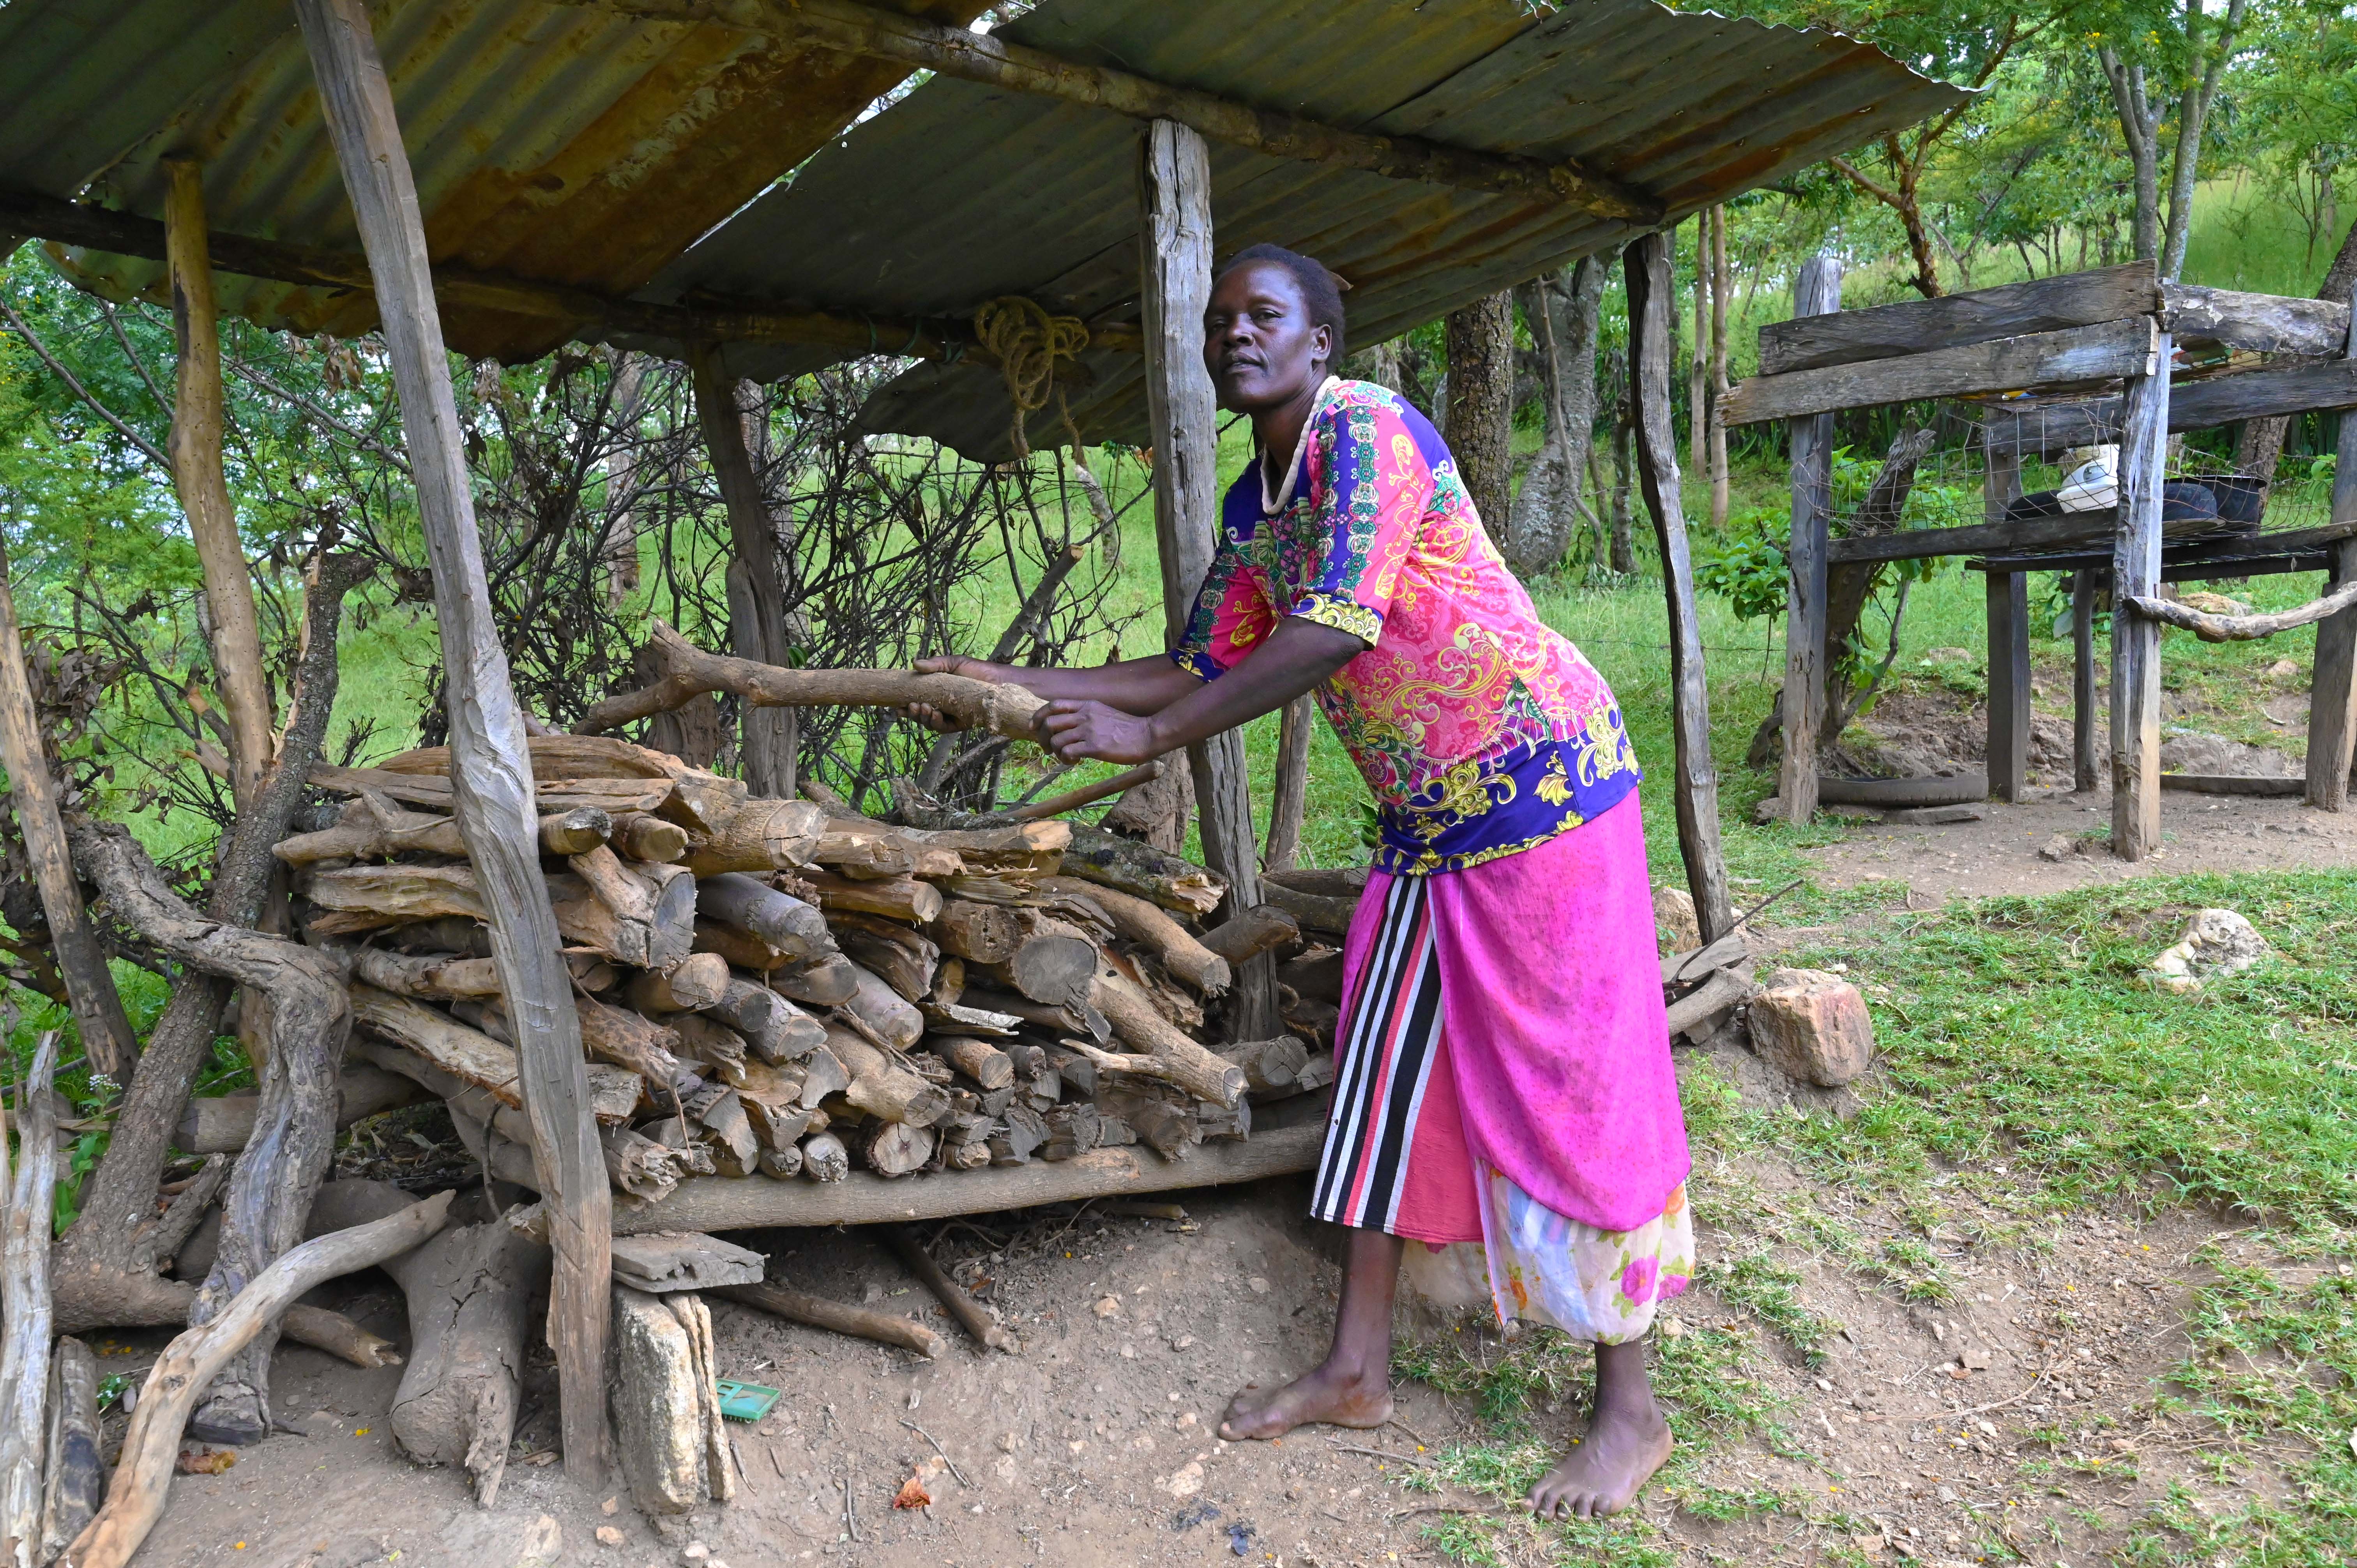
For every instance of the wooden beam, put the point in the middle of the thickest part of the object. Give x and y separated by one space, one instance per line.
2255 394
1985 314
2049 360
195 446
1816 293
106 1032
757 598
2009 685
2084 768
127 234
1174 233
2136 641
1646 265
490 766
914 41
2256 323
2332 690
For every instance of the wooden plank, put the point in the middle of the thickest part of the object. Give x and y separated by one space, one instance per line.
2084 767
195 444
2255 394
747 1203
2009 685
2229 784
2136 641
106 1032
1922 325
853 29
1646 267
760 632
2332 691
2173 569
490 766
1817 292
2257 323
2074 355
1175 272
665 1260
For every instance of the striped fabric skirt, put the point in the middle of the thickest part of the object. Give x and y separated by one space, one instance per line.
1413 1146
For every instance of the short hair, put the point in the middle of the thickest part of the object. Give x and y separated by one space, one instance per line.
1321 290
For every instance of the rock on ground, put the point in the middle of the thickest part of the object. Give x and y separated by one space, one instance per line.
1675 920
2217 942
2197 751
1812 1025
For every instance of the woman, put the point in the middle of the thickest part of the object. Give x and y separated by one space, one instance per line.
1503 1079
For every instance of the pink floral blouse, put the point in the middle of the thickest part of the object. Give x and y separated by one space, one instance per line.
1480 730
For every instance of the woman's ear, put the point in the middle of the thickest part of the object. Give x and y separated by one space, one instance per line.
1322 353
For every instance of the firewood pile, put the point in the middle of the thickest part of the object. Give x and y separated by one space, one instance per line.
786 989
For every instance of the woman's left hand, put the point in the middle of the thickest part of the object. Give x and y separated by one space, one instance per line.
1072 729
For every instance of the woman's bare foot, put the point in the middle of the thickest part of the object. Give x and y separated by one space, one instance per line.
1329 1394
1605 1470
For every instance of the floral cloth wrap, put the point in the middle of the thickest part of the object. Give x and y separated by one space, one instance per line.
1480 730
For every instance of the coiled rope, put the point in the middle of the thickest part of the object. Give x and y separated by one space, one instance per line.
1026 342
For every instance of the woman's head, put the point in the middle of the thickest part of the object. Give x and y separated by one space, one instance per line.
1274 328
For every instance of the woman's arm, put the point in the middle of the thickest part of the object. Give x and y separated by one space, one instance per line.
1134 685
1298 655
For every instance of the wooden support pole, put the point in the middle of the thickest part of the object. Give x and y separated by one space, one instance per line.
195 447
2332 693
106 1033
1292 792
2009 685
29 1192
1650 302
1721 285
880 34
757 626
2136 640
490 766
2084 768
1817 292
1175 271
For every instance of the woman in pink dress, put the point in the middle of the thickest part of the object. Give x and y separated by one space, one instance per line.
1503 1086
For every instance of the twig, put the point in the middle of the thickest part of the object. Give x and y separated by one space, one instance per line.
1383 1454
1983 1409
940 1450
850 1515
1448 1508
1757 909
1411 1431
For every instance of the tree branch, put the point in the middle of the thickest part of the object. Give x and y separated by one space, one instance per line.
32 338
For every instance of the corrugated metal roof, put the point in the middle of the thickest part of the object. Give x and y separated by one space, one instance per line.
961 192
554 141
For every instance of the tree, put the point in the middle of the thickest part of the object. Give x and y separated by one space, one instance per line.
1562 309
1480 426
2174 49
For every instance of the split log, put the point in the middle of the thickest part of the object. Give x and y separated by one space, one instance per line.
959 1016
781 1165
576 831
658 900
1169 1130
1315 912
619 1035
470 1292
638 1165
136 1498
726 1127
1256 931
825 1158
626 915
984 933
661 1262
840 1318
900 899
1073 1131
1052 964
663 1407
688 671
25 1228
1078 1017
221 1124
435 975
986 1064
1147 925
613 1092
1022 1130
1129 866
881 1087
709 1043
1271 1066
76 1483
760 836
694 983
829 981
1221 1084
1181 1060
971 1316
559 756
741 948
650 839
895 1019
776 1029
822 1074
894 1148
741 903
902 957
467 1055
1030 846
554 794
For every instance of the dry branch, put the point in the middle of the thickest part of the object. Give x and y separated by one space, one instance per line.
2211 627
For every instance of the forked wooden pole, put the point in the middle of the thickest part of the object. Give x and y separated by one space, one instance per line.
1817 292
490 768
1647 264
106 1033
757 626
2136 640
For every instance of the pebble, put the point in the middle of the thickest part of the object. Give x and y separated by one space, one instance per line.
1107 1306
608 1536
1259 1286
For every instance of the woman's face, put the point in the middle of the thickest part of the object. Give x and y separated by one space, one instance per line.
1258 341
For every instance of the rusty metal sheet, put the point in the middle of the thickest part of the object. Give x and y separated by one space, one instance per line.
961 192
555 142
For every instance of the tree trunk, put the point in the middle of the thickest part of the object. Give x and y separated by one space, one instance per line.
2140 132
1563 318
618 559
1717 424
2258 449
1623 557
1481 403
2192 114
757 598
1698 359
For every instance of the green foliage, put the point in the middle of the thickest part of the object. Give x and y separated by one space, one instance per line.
1745 564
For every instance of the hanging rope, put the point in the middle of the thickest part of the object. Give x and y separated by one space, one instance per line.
1027 342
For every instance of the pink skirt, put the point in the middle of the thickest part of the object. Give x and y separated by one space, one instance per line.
1507 1018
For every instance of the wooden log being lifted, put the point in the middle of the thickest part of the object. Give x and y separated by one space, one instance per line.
1145 923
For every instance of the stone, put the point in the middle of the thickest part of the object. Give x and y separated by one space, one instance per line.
2217 942
1949 656
1107 1305
1674 921
1812 1025
319 1423
2057 848
2197 751
659 1412
1934 816
1769 809
2284 670
607 1535
1187 1480
543 1544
